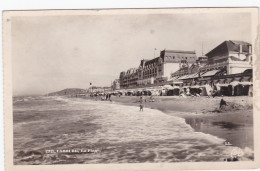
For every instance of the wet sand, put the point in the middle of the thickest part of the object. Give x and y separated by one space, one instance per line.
233 123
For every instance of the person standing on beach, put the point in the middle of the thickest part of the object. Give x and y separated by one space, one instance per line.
141 104
222 103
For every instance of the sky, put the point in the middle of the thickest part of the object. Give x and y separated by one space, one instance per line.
51 53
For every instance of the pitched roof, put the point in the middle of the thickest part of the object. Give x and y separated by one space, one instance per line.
229 45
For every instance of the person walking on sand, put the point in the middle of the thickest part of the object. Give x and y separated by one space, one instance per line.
141 104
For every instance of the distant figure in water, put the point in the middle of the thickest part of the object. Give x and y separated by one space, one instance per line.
141 104
222 103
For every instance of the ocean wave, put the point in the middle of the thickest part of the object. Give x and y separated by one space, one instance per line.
121 134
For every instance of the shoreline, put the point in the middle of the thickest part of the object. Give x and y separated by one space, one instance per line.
234 123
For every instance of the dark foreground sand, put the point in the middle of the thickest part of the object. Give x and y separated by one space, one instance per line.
233 123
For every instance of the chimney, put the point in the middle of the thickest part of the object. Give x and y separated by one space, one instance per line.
240 48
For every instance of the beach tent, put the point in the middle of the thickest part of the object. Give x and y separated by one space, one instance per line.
146 92
246 88
157 91
167 90
163 92
195 89
223 89
238 90
231 90
123 92
203 91
208 90
139 92
250 90
129 93
173 92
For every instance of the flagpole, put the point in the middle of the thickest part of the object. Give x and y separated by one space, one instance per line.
91 87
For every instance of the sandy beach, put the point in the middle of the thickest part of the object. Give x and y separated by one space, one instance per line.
62 130
233 123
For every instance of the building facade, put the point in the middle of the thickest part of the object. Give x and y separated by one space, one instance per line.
229 58
158 69
233 56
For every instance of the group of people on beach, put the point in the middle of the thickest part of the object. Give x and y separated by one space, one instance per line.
102 97
142 100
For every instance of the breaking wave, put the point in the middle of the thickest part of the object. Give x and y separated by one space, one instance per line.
119 134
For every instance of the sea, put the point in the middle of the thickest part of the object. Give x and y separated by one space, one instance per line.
61 130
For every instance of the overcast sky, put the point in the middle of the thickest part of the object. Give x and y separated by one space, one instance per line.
52 53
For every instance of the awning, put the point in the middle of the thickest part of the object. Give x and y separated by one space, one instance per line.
234 83
173 78
183 77
168 86
222 85
203 82
229 80
246 83
210 73
174 87
222 81
189 76
195 86
215 81
194 75
177 81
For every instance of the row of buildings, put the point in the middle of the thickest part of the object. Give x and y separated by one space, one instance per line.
229 61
